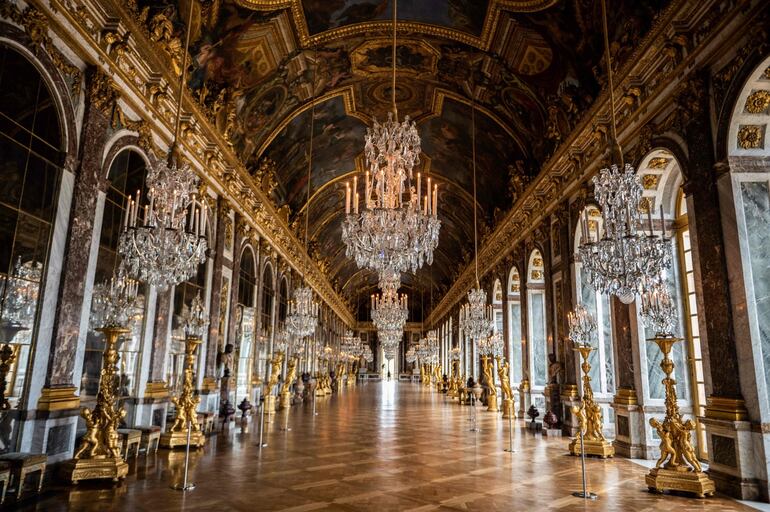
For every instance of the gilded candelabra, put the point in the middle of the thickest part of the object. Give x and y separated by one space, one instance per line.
453 378
186 405
503 371
589 415
7 358
98 456
275 372
291 374
488 368
438 378
426 374
678 468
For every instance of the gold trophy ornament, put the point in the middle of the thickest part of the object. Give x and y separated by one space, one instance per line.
678 468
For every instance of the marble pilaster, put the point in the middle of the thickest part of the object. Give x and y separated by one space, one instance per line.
89 179
215 305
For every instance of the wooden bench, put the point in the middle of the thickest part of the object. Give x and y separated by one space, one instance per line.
150 435
130 437
5 476
23 464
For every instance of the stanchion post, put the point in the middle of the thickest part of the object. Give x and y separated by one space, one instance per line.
186 486
584 494
510 434
262 423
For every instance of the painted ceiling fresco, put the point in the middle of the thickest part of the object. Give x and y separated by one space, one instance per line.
533 68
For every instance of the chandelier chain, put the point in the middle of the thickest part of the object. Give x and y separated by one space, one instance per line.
393 56
182 75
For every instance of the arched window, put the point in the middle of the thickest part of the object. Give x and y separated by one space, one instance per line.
268 295
749 151
538 359
31 145
283 299
247 291
497 306
514 326
126 175
602 360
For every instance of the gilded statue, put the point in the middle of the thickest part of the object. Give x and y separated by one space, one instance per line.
162 32
503 369
275 372
291 375
489 377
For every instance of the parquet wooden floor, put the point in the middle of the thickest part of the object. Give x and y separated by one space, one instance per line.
378 447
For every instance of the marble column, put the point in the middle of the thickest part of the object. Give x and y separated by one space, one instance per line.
628 415
215 305
726 418
59 390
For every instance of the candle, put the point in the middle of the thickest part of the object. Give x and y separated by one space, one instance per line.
428 194
125 213
366 190
662 223
419 183
435 198
355 204
649 217
347 198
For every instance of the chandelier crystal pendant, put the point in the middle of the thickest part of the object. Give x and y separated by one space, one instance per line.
302 317
397 228
164 241
195 322
621 260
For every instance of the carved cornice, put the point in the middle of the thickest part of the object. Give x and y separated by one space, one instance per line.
147 85
652 73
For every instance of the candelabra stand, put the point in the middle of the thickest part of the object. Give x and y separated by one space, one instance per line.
452 391
503 369
291 375
589 415
186 406
275 372
7 358
98 456
437 378
488 368
678 468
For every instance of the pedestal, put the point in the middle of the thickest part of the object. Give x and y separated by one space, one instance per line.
285 401
173 440
492 403
508 408
593 447
270 407
113 469
680 479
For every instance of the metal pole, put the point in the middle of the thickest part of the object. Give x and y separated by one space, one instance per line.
285 427
185 485
585 494
262 423
510 432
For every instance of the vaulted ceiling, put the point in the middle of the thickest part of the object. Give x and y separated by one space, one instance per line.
532 67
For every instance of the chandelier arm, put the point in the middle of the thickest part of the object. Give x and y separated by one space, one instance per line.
182 74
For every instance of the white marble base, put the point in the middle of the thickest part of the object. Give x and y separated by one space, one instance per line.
143 413
630 443
552 432
54 436
737 458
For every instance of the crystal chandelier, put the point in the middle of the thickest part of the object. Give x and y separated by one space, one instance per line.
389 309
476 316
164 241
19 294
397 228
367 355
455 354
114 301
659 312
582 326
351 345
491 346
411 355
302 317
621 260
